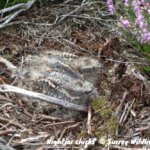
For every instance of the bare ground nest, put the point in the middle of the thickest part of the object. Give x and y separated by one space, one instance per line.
121 111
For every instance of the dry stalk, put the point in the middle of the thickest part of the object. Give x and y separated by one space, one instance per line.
59 123
13 123
22 6
67 105
128 110
68 128
89 120
7 131
50 118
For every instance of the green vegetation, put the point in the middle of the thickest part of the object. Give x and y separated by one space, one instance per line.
11 2
137 32
110 122
82 134
103 107
113 126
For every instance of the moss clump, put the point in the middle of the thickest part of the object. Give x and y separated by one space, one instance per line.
82 134
108 129
101 131
102 106
113 126
106 113
110 122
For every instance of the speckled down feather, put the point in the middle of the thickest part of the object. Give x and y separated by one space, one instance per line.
61 75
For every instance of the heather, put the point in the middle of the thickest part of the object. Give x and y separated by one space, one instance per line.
135 19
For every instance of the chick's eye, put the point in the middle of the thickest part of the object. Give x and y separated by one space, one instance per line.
79 92
87 69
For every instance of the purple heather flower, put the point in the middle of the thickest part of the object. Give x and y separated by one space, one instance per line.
148 34
111 7
140 17
144 30
109 2
138 39
135 33
136 23
126 3
140 25
126 23
148 39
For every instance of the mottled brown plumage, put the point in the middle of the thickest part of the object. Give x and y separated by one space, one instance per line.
61 75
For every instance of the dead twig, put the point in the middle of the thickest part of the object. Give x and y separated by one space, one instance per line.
88 17
34 138
59 123
67 105
89 120
50 118
125 109
23 110
13 123
121 104
142 128
79 8
9 104
133 113
78 47
68 128
7 131
22 6
27 113
4 98
128 110
127 62
7 63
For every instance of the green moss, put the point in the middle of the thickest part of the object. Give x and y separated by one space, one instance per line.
108 129
110 122
113 126
100 103
102 106
102 130
82 134
97 133
106 113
